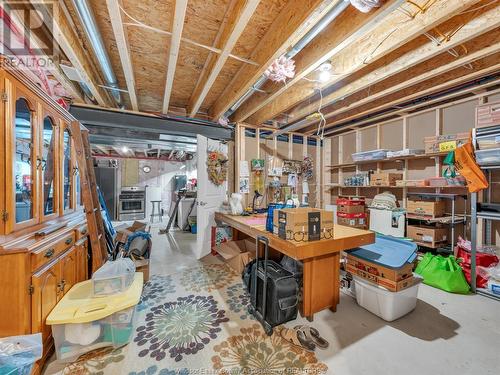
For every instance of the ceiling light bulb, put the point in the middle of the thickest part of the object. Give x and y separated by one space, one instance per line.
124 149
324 75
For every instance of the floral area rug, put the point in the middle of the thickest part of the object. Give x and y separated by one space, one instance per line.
196 322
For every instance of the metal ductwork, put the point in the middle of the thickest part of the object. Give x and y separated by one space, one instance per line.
89 24
311 34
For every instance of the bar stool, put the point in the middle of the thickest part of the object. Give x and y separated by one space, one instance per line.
156 206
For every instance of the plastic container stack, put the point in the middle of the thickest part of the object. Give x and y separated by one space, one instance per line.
83 320
382 272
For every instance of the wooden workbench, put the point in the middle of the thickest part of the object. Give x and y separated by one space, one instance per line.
321 259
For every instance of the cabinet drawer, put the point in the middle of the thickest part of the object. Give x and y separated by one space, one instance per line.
82 232
47 253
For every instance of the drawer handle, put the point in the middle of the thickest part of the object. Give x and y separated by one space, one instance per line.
49 253
68 241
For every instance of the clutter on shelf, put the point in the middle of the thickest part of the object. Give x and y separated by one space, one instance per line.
358 179
405 152
385 179
373 155
445 143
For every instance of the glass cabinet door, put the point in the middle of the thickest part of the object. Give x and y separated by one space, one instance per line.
48 166
67 176
23 162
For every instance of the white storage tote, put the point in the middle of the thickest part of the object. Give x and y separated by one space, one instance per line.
81 323
386 304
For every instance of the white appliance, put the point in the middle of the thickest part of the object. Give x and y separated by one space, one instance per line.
153 193
388 222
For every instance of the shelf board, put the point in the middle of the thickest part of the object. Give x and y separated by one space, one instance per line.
459 219
388 160
487 293
435 245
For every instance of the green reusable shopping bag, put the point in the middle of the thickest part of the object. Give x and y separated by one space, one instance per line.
443 273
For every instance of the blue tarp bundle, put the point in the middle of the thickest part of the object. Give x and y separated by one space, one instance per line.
387 251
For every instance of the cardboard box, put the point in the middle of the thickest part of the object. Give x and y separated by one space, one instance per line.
488 115
444 143
237 254
350 200
393 286
123 231
427 234
302 224
412 183
355 220
430 209
142 265
350 209
380 271
385 179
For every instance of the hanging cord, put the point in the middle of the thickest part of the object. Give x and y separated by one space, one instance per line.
187 40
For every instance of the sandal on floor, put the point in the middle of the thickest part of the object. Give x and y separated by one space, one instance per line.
296 337
312 334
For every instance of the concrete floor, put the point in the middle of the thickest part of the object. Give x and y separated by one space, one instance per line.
446 334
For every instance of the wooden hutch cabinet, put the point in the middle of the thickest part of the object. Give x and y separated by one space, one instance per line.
43 234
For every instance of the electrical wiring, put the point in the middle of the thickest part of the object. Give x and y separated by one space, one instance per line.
138 23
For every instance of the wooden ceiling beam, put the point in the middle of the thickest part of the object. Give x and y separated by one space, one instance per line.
238 19
71 45
397 30
122 46
291 24
391 65
102 149
175 43
443 81
346 29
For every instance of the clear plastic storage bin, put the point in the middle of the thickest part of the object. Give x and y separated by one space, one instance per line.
369 155
113 277
488 157
71 340
384 303
81 323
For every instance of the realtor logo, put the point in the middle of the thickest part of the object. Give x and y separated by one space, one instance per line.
26 31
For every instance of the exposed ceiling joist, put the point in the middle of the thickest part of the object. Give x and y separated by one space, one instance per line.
440 70
103 149
292 23
238 20
122 46
394 32
439 83
391 65
173 54
346 29
72 48
420 107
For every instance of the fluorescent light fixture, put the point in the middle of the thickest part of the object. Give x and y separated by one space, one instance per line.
182 167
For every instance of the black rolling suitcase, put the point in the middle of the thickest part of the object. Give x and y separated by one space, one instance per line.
273 290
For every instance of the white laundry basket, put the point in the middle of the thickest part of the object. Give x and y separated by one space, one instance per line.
386 304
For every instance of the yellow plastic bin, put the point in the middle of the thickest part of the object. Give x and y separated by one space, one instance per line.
81 323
